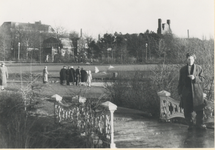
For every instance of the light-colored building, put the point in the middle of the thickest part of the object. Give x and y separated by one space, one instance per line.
67 46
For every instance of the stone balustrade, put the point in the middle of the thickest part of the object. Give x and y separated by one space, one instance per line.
98 121
169 108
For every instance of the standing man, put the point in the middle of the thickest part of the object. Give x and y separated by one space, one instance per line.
83 75
47 58
72 75
63 76
89 78
78 75
45 75
68 75
3 75
190 89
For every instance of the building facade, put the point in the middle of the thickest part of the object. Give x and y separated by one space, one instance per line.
21 38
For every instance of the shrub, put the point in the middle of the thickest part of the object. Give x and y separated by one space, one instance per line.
21 129
139 90
14 125
58 58
165 77
131 60
135 92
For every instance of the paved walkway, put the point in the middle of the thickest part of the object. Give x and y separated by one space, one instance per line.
133 130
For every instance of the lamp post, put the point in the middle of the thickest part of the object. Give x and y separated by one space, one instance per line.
146 50
18 51
4 54
27 48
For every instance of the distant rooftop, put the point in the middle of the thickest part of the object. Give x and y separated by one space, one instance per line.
29 26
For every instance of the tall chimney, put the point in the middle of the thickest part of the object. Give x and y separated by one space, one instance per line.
163 26
188 33
159 26
168 22
81 33
98 37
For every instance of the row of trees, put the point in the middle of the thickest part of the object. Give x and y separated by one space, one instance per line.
147 47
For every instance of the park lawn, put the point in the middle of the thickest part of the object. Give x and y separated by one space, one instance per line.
45 104
55 68
47 90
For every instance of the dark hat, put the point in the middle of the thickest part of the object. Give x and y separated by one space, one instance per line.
191 54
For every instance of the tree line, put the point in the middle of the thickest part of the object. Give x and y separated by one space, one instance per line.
147 47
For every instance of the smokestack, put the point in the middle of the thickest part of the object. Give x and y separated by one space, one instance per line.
99 37
159 26
81 33
159 22
188 34
163 25
168 22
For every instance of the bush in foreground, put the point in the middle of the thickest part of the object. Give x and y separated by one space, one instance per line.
135 92
19 129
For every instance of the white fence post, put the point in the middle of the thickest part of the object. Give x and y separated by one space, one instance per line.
111 107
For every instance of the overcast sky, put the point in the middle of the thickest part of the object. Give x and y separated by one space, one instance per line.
107 16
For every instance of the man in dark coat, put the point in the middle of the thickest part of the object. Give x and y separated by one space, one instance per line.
83 75
63 75
190 89
71 75
67 75
77 75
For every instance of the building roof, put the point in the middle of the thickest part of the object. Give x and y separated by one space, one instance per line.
37 26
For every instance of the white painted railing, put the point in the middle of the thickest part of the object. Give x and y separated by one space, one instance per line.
97 121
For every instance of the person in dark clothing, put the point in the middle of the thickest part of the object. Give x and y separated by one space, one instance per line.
77 75
63 75
71 75
190 89
68 75
83 75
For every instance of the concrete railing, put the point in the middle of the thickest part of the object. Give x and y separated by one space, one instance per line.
169 108
97 121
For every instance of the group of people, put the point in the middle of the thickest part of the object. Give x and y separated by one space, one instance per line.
71 76
190 88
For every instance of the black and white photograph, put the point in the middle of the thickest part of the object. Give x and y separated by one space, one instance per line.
106 74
